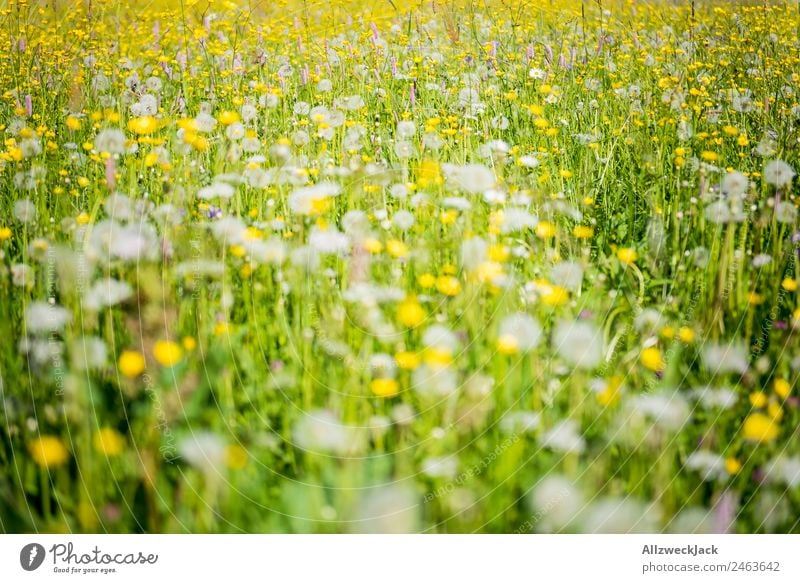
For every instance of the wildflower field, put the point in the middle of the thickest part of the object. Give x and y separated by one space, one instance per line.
499 266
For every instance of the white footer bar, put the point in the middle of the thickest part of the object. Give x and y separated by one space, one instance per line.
401 559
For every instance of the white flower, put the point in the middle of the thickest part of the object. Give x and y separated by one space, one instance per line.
726 358
761 260
579 343
22 275
434 381
620 516
249 112
205 122
474 251
398 191
564 437
693 520
406 129
356 223
305 258
523 329
471 178
515 422
712 398
89 353
228 230
440 338
106 292
784 469
321 431
403 220
235 131
131 242
119 207
393 509
350 103
735 184
41 317
270 251
778 173
517 219
111 141
568 274
556 503
711 466
786 212
24 211
328 240
303 199
718 212
216 189
205 451
668 410
456 202
258 178
440 467
404 149
302 108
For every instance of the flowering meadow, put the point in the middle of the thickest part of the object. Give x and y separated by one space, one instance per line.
504 266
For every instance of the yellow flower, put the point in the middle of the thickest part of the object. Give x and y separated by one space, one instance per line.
143 125
627 255
189 343
410 313
507 344
108 441
448 285
167 353
499 253
611 393
384 387
775 411
545 230
709 156
48 451
131 363
554 295
373 246
789 284
222 328
686 334
759 428
732 466
438 357
73 123
5 234
782 388
758 399
227 118
396 248
407 360
235 457
583 232
652 359
426 280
